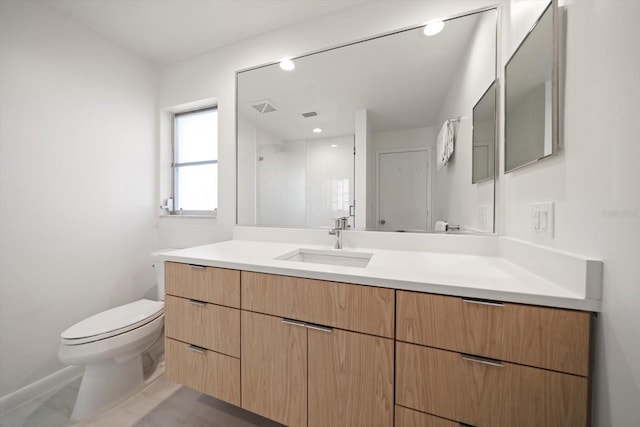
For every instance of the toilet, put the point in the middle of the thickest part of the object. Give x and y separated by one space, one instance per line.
110 345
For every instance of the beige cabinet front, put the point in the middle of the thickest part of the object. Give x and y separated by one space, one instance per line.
301 373
483 392
350 379
274 368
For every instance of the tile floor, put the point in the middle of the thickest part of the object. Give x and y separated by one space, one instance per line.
161 404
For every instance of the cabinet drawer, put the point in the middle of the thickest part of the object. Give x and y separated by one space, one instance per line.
550 338
472 391
215 285
357 308
206 325
406 417
276 295
203 370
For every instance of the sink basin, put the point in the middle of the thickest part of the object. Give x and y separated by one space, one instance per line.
335 257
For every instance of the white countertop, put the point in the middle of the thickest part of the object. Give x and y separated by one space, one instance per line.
474 276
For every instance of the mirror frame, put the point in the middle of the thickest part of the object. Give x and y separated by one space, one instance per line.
555 85
497 82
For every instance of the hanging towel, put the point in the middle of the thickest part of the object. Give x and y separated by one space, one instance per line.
446 142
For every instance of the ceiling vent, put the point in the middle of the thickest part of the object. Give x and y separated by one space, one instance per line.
309 114
264 106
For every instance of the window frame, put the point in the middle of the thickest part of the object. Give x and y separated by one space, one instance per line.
174 166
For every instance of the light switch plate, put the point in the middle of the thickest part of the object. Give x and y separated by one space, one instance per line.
542 219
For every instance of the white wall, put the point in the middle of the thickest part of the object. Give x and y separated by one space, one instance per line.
594 183
77 171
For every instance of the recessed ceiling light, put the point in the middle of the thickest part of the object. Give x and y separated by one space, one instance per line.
287 64
317 130
433 28
334 145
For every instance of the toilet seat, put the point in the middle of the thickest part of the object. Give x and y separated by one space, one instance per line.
113 322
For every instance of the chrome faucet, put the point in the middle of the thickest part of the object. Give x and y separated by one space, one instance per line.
340 223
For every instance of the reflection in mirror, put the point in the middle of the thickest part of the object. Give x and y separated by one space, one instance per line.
484 136
354 131
530 98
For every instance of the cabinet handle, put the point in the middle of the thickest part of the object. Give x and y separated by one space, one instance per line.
197 267
319 328
293 322
489 362
483 302
197 349
197 302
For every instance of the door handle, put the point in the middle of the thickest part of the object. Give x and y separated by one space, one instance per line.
197 302
197 349
293 322
383 222
197 267
483 302
319 328
482 360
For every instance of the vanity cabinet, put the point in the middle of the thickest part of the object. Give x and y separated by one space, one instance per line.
485 363
314 353
202 329
300 372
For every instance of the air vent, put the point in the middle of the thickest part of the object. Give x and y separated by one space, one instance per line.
264 106
309 114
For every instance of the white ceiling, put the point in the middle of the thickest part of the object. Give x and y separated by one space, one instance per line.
401 80
164 31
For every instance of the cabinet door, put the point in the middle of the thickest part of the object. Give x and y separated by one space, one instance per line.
274 368
350 379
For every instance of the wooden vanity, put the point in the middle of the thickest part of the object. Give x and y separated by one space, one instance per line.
307 352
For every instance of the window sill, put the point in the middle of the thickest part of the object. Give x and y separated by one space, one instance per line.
212 216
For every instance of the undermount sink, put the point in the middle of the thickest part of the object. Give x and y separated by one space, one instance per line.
335 257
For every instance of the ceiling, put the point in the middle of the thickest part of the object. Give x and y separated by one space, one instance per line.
165 31
402 81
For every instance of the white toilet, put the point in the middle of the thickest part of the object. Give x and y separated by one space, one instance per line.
110 345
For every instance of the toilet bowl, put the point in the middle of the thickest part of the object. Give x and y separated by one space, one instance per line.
110 345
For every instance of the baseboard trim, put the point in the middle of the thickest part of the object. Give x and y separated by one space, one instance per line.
38 388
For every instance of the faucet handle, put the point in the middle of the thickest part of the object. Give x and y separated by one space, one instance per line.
341 222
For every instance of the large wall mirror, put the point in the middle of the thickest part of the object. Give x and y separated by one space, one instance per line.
379 131
531 95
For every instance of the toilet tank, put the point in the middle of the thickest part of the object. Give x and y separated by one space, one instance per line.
158 266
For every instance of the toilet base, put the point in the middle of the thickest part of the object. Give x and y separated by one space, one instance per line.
107 384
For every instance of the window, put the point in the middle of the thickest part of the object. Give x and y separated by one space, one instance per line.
195 162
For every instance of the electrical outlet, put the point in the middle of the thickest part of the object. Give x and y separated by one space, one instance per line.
542 219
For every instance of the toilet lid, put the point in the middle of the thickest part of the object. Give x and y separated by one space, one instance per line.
115 321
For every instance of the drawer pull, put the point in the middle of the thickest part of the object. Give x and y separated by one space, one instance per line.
293 322
197 267
490 362
197 349
319 328
483 302
197 302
